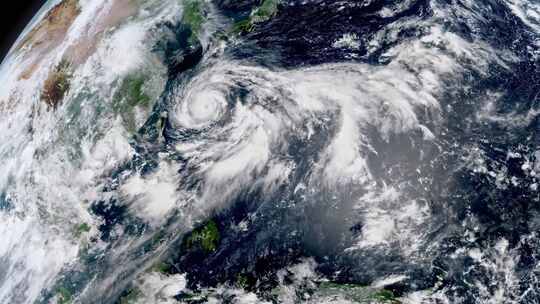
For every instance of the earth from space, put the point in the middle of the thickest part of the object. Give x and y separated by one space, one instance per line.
272 151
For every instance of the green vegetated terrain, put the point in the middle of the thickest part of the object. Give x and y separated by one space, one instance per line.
129 98
206 237
64 295
262 13
356 293
130 297
194 17
81 229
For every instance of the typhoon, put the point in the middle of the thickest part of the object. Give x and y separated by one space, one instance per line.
272 151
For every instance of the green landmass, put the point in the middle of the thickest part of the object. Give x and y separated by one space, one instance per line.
264 12
129 96
131 296
81 229
207 237
193 17
64 295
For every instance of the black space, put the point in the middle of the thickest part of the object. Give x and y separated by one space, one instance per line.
14 16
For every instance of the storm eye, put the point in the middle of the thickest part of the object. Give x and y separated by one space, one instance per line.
201 108
206 106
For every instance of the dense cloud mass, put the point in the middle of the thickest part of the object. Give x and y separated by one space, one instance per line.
272 151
